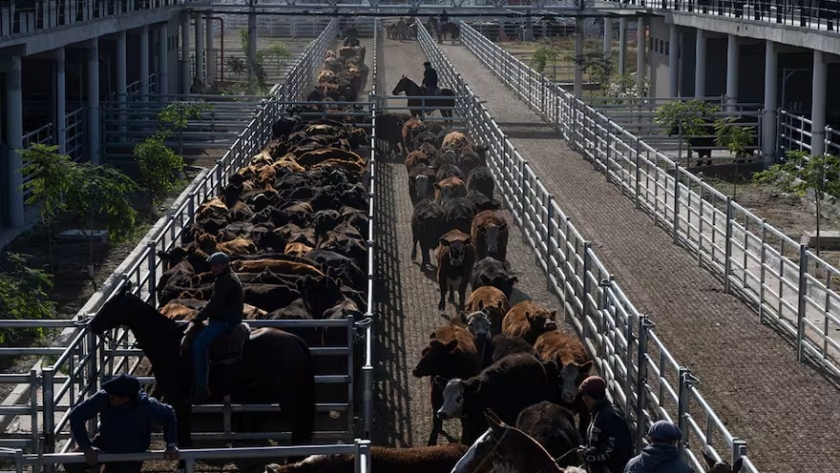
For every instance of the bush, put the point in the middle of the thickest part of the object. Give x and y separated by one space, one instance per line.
23 296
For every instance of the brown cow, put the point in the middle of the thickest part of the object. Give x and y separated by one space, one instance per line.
416 157
455 141
451 353
455 260
277 266
408 132
431 459
450 188
489 235
297 249
528 321
213 208
491 300
568 352
239 245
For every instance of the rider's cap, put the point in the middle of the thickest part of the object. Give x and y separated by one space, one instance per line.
427 63
665 431
218 258
594 386
122 385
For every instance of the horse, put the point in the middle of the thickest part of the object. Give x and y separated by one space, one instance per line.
450 28
433 26
402 30
431 104
503 448
272 367
721 467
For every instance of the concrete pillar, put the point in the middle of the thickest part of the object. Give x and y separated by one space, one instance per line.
640 55
144 63
771 92
673 61
578 89
14 139
121 78
732 56
186 80
700 64
818 99
199 49
608 36
210 55
93 124
163 60
252 51
622 46
60 101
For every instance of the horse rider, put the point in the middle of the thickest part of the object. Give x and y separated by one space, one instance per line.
444 17
223 312
430 79
662 454
609 445
126 418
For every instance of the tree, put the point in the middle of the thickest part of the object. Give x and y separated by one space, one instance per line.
544 54
158 166
737 139
800 172
50 178
176 116
23 295
625 86
687 118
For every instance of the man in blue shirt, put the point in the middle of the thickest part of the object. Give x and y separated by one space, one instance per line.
127 416
662 455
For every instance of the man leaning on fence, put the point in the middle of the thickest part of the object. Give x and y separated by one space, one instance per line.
127 416
663 454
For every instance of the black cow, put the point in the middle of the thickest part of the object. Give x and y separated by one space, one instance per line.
554 428
426 228
492 272
480 180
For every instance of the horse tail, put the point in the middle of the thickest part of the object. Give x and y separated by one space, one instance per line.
305 402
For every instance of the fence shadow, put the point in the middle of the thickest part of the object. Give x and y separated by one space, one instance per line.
392 420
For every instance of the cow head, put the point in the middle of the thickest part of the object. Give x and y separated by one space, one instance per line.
433 356
571 375
421 185
478 323
457 250
445 192
455 394
541 322
491 234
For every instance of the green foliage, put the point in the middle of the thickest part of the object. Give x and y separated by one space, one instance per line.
737 139
103 193
176 115
688 116
625 86
157 167
23 295
276 53
544 54
51 176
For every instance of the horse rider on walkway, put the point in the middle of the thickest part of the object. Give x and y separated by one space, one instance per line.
224 311
662 454
444 17
430 79
127 416
609 445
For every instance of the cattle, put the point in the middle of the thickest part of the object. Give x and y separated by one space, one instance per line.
566 365
492 272
455 259
489 234
449 188
554 428
503 345
426 225
447 169
480 180
505 387
420 181
451 353
528 320
481 201
491 300
416 157
458 214
410 128
431 459
454 140
478 324
389 132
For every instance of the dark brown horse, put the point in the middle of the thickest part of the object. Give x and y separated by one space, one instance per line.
275 367
448 28
444 104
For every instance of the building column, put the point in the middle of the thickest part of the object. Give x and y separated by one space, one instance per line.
186 81
199 49
622 46
578 88
210 55
608 30
122 81
818 98
732 50
163 61
93 124
700 64
144 63
673 61
14 140
771 92
60 101
640 55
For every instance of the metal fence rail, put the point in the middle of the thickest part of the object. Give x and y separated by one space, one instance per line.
52 387
645 380
784 281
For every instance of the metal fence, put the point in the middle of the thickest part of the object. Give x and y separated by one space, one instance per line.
47 392
645 380
783 280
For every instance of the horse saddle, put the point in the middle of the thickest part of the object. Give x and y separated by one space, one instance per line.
229 347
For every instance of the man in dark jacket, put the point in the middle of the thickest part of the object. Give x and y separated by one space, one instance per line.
126 416
662 455
444 17
430 79
223 312
608 442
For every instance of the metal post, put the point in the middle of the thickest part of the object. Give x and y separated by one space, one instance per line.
185 53
48 446
641 44
638 173
607 126
802 304
93 125
587 285
578 88
199 48
676 232
163 61
687 381
152 245
673 61
14 141
818 101
727 264
641 382
144 64
60 101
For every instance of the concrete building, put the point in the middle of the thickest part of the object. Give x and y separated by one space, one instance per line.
60 59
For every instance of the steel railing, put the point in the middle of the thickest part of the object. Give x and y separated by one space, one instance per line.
645 380
783 280
53 387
